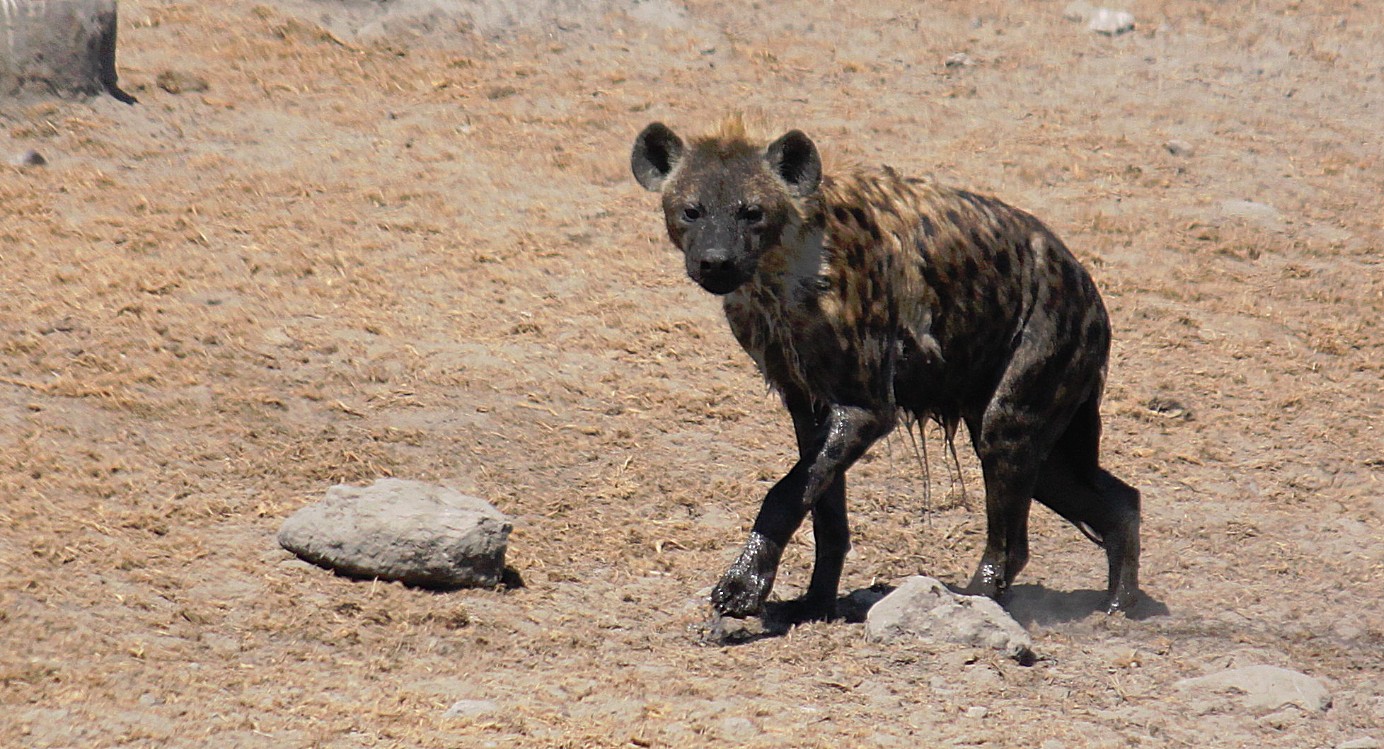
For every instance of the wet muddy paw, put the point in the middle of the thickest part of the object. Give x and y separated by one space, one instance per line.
988 581
1123 601
740 595
744 587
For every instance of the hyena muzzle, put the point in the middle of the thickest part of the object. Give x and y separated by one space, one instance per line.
865 297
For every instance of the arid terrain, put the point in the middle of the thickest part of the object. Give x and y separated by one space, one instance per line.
332 243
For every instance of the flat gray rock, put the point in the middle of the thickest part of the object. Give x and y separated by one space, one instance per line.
1180 148
1265 687
417 533
923 607
1250 210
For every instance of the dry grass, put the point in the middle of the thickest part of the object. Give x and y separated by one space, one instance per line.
344 260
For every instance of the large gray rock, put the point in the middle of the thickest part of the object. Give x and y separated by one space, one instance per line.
1265 687
923 607
409 531
62 47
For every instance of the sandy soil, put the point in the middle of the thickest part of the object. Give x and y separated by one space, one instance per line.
311 255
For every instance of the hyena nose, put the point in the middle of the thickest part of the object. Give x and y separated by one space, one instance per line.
716 266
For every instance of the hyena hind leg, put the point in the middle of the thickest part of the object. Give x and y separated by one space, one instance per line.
1106 509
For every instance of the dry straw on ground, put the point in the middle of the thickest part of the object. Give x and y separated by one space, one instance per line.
345 259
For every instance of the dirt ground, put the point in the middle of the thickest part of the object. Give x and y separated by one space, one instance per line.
317 252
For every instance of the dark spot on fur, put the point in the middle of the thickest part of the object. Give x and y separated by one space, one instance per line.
972 270
939 285
855 254
931 276
979 239
1071 280
1095 335
865 223
953 217
1003 263
841 215
929 230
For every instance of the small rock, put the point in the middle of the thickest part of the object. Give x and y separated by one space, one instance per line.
1266 687
959 60
978 712
178 82
1168 408
1364 742
923 607
470 708
1180 148
28 158
409 531
1111 22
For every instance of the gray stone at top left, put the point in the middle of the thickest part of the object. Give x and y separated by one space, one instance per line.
417 533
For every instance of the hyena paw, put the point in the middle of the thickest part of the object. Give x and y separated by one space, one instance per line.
988 580
1122 600
806 609
739 595
747 583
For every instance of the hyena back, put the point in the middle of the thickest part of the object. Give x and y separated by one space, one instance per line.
868 295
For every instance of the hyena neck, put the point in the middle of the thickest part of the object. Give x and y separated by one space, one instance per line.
798 258
766 313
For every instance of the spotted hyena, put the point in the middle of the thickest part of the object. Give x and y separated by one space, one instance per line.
866 296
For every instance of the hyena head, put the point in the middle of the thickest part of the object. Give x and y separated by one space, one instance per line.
727 202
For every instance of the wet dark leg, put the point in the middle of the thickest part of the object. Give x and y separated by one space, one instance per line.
1107 510
817 482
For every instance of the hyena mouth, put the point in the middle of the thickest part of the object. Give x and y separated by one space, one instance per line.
720 282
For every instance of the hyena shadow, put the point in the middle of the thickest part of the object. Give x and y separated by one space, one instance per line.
1029 604
1032 604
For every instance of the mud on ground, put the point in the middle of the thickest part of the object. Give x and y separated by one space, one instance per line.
317 253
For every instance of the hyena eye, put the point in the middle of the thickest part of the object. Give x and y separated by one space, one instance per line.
691 213
752 214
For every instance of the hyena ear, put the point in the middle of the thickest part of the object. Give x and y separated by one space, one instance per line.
794 158
656 151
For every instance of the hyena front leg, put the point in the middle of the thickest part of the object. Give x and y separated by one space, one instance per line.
1010 471
816 483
